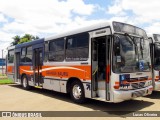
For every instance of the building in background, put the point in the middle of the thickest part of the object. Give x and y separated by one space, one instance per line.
2 66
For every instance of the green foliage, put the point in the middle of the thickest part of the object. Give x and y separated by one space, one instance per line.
26 38
16 40
23 40
6 81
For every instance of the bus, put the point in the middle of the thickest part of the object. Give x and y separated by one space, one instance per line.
108 61
155 57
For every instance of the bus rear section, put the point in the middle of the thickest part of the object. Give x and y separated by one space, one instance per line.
155 56
10 67
28 62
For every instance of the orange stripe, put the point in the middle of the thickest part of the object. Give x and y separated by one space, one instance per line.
84 72
67 73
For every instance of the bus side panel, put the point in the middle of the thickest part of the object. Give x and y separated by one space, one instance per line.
27 70
10 71
66 72
56 77
51 84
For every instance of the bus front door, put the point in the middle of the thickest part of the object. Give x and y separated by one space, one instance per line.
100 67
37 66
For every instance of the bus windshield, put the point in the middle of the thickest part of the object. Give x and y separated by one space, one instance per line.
157 56
131 54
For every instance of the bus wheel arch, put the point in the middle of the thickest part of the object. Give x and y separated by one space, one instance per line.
76 89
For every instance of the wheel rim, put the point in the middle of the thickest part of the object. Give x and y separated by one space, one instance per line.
24 82
77 91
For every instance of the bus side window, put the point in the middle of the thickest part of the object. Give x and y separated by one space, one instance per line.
46 52
29 54
56 50
77 47
23 54
10 56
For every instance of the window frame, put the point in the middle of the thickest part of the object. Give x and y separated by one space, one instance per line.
30 54
10 56
75 48
56 51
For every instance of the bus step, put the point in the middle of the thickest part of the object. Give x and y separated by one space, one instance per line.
38 87
101 99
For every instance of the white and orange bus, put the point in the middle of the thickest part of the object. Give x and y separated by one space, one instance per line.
155 57
108 61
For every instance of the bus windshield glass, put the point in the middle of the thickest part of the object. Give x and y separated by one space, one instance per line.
130 54
126 28
157 56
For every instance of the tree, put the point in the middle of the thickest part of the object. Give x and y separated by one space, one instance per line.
23 40
26 38
16 40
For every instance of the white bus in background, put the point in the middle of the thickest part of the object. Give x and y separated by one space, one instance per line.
155 56
108 61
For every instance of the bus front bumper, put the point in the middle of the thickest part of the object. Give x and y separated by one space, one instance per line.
120 95
157 86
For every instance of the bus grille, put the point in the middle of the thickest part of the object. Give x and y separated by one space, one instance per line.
138 85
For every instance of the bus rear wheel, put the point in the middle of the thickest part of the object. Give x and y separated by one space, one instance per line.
77 92
25 84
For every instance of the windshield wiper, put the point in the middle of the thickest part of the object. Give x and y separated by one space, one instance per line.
126 34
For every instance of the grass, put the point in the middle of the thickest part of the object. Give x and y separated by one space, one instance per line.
6 81
2 74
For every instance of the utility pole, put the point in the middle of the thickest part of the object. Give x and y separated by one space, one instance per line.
2 60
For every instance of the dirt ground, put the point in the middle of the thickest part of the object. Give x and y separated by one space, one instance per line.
14 98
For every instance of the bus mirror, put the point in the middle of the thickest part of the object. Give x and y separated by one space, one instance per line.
117 46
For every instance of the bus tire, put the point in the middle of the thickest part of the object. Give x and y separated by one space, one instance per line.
25 84
77 92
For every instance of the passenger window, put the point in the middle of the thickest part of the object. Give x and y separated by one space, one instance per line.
29 54
56 50
23 54
77 47
11 56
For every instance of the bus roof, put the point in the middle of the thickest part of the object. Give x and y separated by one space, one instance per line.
30 43
96 26
10 47
84 29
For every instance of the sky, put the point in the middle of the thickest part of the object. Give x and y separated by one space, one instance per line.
48 17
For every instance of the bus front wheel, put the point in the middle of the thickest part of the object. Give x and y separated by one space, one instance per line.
77 92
